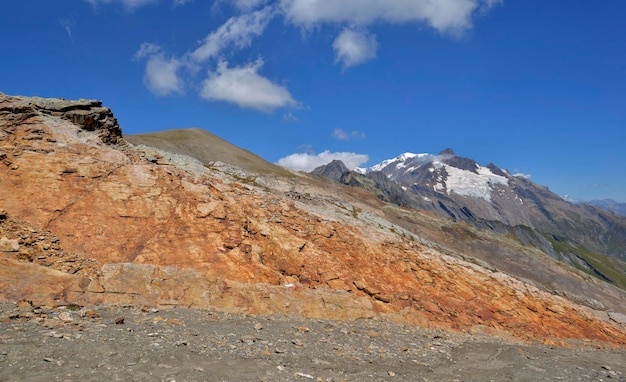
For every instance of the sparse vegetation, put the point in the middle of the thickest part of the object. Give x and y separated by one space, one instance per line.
605 267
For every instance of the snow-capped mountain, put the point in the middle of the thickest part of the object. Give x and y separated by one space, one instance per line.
491 198
446 173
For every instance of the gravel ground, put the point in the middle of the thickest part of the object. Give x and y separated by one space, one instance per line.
143 344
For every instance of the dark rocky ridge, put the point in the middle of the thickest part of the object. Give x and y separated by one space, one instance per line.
333 170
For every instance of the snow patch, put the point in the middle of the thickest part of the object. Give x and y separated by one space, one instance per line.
400 158
467 183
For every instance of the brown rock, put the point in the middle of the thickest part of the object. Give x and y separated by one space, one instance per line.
184 234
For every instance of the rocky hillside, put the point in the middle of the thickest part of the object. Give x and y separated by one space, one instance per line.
89 218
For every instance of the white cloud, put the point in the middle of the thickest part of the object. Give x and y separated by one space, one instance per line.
68 26
451 16
242 85
129 5
354 47
343 135
308 162
146 50
237 31
162 74
522 175
132 5
178 3
289 117
246 5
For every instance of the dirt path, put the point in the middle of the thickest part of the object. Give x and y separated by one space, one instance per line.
134 344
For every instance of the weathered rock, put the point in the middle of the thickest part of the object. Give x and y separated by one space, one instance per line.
618 317
9 245
177 233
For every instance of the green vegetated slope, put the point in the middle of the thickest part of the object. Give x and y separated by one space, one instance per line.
607 268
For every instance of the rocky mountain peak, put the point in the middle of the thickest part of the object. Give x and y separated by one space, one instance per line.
333 170
447 151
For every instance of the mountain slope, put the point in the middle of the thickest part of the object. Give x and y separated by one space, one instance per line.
207 148
490 198
91 219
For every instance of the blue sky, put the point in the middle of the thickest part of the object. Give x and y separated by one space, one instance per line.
537 87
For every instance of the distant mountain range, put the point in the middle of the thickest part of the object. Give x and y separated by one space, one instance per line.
488 197
609 205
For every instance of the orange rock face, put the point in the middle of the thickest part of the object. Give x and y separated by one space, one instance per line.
140 226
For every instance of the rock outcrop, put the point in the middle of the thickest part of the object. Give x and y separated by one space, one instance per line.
99 221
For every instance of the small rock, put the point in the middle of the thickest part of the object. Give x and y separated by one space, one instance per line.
391 373
618 317
119 321
9 245
297 342
91 314
66 317
248 339
258 326
307 376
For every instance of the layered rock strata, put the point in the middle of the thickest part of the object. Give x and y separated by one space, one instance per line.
99 221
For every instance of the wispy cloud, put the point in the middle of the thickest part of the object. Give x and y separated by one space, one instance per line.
129 5
309 161
178 3
354 47
237 32
243 86
132 5
289 117
343 135
162 73
246 5
522 175
68 26
240 85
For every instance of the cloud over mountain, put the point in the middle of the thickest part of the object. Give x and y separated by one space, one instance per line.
309 161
